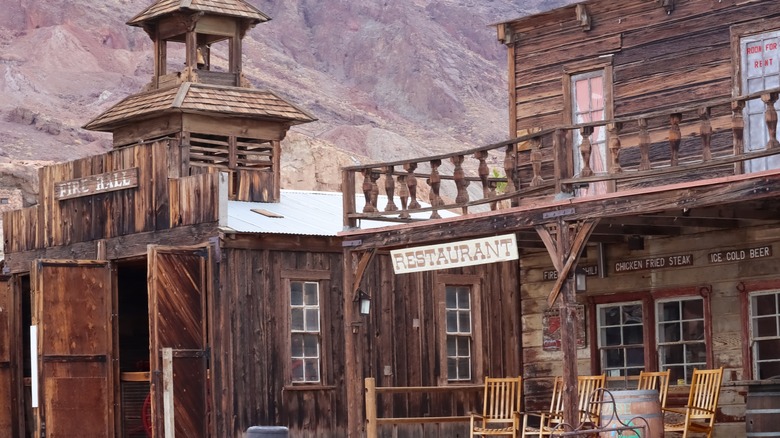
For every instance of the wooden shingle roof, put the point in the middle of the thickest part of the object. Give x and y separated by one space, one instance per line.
200 98
233 8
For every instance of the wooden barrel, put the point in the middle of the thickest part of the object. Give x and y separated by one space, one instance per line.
762 410
628 407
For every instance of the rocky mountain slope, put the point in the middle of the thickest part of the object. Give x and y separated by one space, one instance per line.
387 80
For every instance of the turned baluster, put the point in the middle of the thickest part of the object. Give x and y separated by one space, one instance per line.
434 181
367 188
738 126
375 189
674 138
492 194
484 172
390 188
411 183
706 134
536 161
770 114
614 147
510 168
585 150
403 195
460 182
644 145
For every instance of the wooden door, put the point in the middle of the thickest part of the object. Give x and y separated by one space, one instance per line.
9 399
178 279
72 313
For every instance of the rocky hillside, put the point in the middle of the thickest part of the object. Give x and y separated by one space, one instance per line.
387 80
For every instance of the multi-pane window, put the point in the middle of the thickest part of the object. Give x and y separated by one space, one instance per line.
765 334
588 105
681 338
305 341
621 338
458 315
760 71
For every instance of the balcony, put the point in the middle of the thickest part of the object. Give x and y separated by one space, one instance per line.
663 148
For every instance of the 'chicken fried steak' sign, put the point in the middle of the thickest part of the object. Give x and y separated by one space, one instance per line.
454 254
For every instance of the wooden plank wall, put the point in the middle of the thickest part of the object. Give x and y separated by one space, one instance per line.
9 399
658 60
159 202
725 279
400 354
250 321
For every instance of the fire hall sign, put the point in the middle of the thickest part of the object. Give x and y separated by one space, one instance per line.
94 184
455 254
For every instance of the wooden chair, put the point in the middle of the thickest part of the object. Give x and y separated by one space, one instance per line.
658 380
501 409
699 413
548 421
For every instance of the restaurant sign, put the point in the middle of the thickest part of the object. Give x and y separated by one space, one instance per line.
95 184
455 254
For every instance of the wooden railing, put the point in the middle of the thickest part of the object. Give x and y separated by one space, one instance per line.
373 421
681 144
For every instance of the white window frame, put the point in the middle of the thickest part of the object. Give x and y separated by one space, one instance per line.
460 332
754 339
313 330
686 364
602 348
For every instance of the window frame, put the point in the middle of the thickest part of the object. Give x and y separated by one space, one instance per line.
323 279
475 283
649 301
746 289
600 326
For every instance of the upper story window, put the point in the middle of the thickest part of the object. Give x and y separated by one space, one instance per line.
765 333
305 333
621 338
681 336
588 104
760 67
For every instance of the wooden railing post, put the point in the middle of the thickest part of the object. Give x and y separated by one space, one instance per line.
434 181
403 195
614 147
411 183
510 167
738 126
770 114
460 182
674 138
367 188
348 200
390 188
560 159
705 129
371 429
484 172
536 161
585 150
644 145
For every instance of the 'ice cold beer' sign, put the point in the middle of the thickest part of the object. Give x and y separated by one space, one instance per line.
94 184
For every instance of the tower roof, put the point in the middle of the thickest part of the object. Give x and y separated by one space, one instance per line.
234 8
193 97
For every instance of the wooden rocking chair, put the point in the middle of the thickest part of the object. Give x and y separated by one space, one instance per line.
501 409
658 380
548 421
699 413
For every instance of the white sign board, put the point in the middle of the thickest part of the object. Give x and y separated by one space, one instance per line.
455 254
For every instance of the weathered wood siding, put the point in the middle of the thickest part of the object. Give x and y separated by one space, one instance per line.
656 61
159 202
251 344
729 331
401 341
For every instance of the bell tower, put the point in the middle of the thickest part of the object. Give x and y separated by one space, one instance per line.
198 97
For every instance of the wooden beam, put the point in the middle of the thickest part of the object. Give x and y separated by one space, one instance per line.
580 239
365 259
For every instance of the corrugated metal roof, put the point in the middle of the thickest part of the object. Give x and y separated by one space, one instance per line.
233 8
194 97
303 212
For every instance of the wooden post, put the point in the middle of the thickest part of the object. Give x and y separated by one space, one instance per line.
738 131
536 161
459 175
434 181
644 145
390 188
367 188
170 423
706 134
348 199
585 151
614 147
371 429
353 362
568 331
675 137
770 115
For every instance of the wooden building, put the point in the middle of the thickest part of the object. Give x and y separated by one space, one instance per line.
643 178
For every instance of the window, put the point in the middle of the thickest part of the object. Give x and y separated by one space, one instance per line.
681 337
765 333
760 71
588 104
621 339
305 334
458 328
4 201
